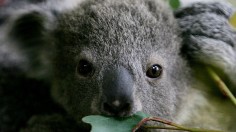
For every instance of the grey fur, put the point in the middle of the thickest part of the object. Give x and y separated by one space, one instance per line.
212 37
127 37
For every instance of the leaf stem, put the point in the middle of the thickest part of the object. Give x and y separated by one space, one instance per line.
177 126
221 85
160 127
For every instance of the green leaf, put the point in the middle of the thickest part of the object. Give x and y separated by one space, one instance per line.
101 123
232 20
175 4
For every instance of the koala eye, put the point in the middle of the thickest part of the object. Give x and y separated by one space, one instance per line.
85 68
154 71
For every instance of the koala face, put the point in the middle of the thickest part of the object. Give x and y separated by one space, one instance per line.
117 58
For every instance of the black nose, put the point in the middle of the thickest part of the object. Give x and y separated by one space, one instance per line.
117 108
117 91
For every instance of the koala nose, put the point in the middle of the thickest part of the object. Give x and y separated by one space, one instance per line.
117 107
117 91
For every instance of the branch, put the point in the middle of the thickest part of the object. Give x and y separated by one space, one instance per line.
221 85
174 126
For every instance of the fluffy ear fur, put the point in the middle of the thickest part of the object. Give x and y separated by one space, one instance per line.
30 34
29 30
209 38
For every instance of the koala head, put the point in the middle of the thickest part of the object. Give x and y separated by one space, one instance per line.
119 57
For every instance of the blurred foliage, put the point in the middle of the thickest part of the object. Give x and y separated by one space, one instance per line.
175 4
233 20
232 2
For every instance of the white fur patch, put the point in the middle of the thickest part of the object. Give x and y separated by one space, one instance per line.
194 99
116 103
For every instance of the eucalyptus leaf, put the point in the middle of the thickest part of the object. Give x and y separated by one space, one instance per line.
101 123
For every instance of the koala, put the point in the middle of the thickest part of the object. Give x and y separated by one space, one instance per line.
121 60
116 58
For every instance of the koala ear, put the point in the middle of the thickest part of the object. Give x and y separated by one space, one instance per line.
208 38
207 20
29 30
30 34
